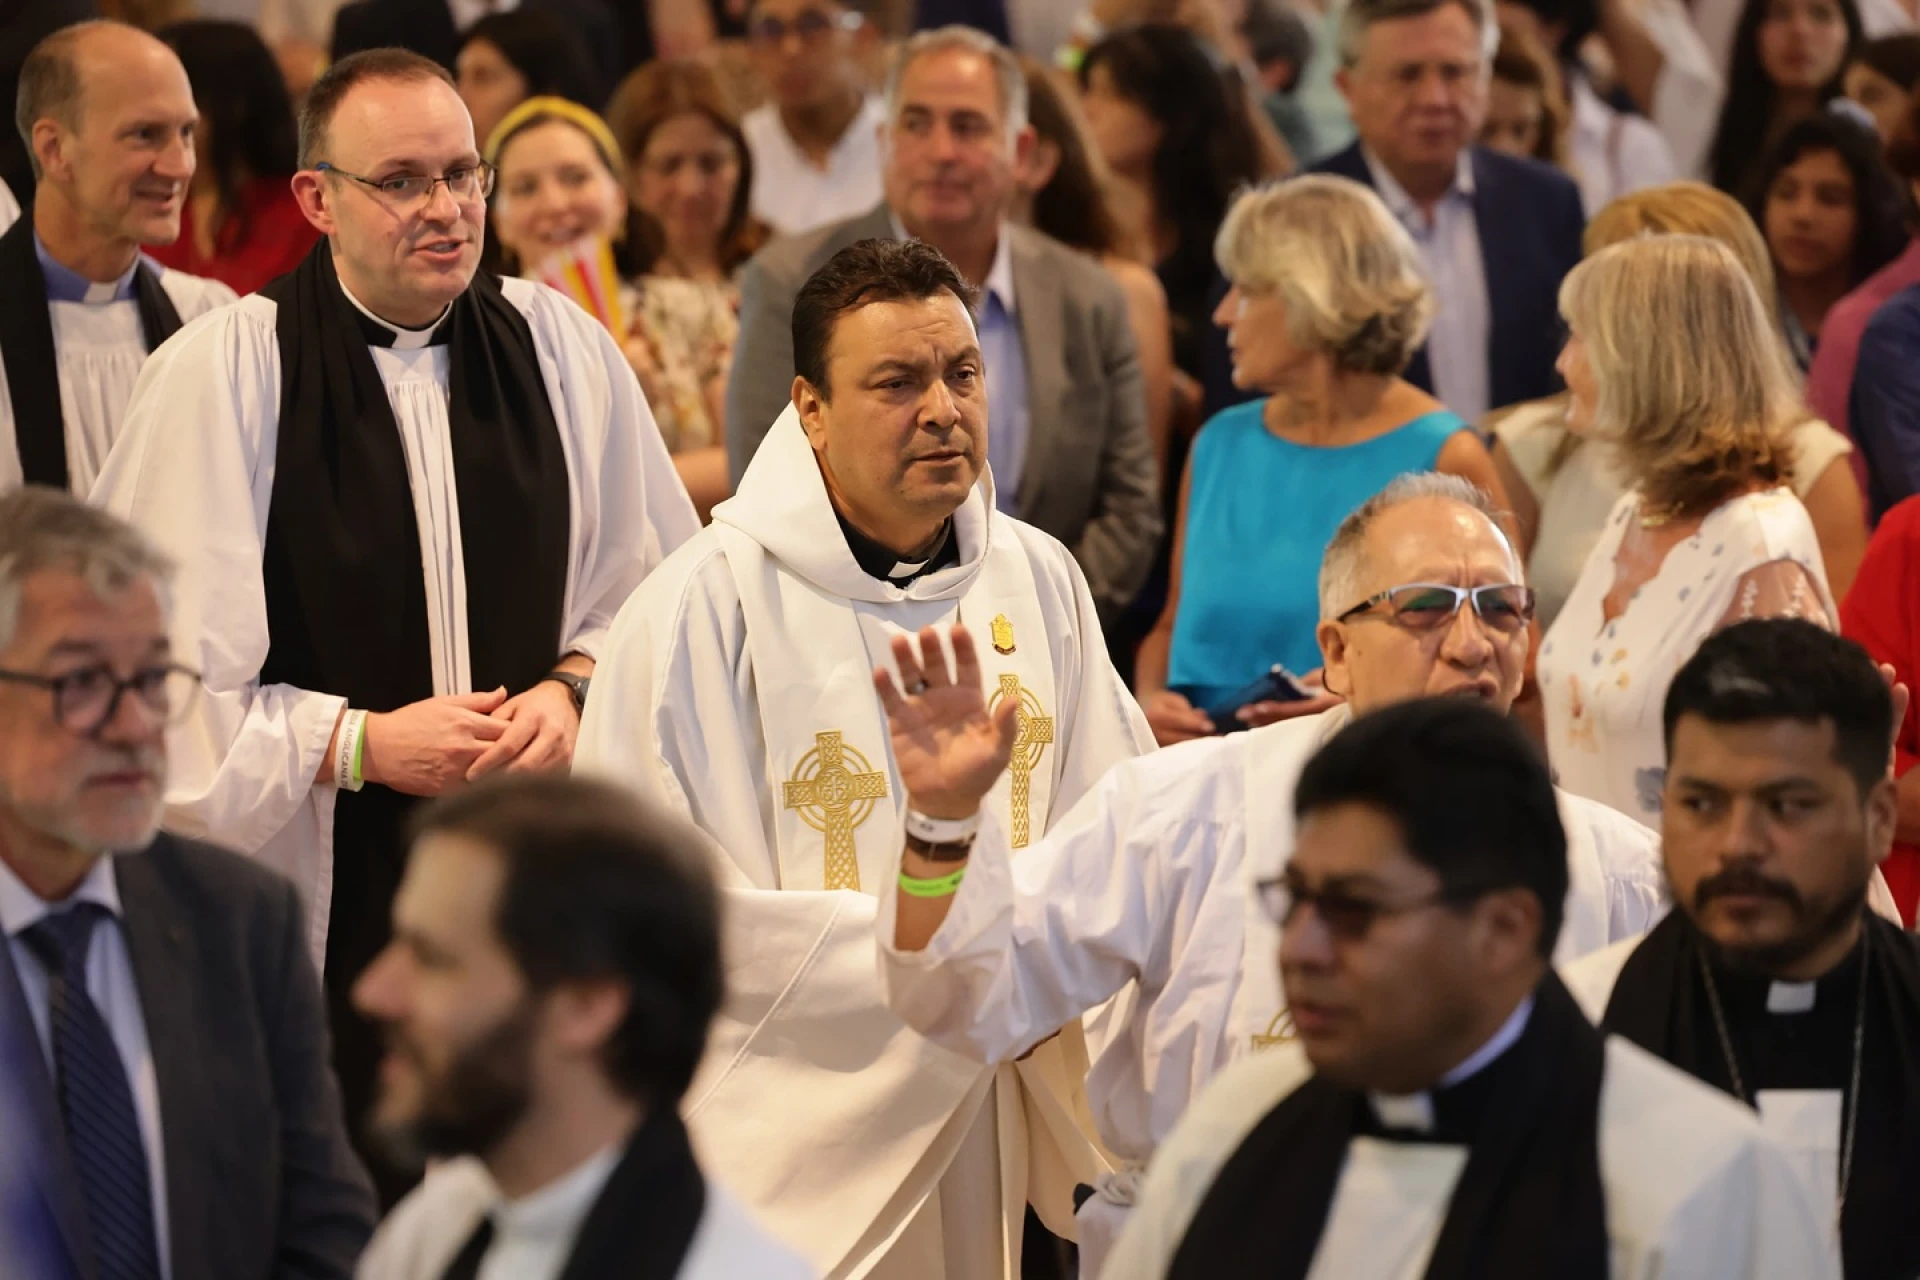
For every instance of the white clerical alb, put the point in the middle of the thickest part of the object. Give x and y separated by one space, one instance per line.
1148 881
194 470
738 685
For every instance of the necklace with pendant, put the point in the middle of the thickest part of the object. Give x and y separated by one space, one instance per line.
1853 1088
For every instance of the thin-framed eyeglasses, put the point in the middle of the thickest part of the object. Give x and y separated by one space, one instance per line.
85 701
1425 606
411 190
811 25
1348 916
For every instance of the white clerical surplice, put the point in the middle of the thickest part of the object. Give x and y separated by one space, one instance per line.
194 470
738 685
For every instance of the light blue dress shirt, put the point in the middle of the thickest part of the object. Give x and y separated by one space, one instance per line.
64 284
110 982
1449 242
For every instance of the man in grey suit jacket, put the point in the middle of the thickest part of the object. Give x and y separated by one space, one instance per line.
1067 438
164 1075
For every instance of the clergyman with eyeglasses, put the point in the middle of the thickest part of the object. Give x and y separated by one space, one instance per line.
1146 881
165 1096
406 500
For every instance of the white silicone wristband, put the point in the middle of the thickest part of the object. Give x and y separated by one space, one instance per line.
352 725
942 830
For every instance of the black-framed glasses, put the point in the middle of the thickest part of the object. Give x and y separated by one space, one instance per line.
1347 916
410 190
85 701
1425 606
811 25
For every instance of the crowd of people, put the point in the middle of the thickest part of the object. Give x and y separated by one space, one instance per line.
960 639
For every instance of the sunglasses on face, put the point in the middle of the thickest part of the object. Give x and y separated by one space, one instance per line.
1427 606
1348 916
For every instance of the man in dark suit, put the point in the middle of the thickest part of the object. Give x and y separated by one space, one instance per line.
432 29
169 1110
1067 414
554 967
1498 233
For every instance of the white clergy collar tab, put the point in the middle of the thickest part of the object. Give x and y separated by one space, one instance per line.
782 504
1414 1111
21 908
396 337
1792 997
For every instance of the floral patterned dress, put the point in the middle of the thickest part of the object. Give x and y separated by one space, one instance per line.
688 328
1604 683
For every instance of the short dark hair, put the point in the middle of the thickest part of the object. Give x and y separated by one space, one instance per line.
599 886
864 272
50 85
1468 790
1789 669
550 55
331 89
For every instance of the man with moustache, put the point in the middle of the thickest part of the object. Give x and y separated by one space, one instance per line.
108 119
546 995
167 1106
1773 980
1146 881
406 500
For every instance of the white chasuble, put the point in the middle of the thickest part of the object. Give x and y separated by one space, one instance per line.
99 349
1694 1189
194 470
738 686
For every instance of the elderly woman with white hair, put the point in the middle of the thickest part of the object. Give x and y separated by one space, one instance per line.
1328 305
1673 364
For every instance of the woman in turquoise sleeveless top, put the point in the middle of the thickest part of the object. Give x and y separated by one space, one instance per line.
1329 303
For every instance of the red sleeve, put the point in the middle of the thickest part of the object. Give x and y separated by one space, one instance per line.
1879 612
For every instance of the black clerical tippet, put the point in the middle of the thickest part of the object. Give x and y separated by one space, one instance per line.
877 561
1659 1002
1529 1201
26 348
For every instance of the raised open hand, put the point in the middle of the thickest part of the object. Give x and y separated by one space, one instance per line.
949 748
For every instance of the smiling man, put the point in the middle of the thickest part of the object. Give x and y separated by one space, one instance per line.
738 684
1146 881
108 119
1772 981
406 501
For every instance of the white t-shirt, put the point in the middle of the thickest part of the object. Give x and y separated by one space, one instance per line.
791 193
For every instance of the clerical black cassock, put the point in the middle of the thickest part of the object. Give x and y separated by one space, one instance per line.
365 516
1549 1152
67 366
1829 1065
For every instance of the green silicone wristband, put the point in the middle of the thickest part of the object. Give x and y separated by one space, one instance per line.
359 751
937 888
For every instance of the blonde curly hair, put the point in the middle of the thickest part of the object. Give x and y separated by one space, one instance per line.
1346 271
1694 390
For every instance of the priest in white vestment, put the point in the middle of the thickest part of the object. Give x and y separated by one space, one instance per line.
1148 880
1446 1112
738 683
9 207
406 502
83 307
1773 981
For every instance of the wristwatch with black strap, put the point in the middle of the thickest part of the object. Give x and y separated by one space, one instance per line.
576 685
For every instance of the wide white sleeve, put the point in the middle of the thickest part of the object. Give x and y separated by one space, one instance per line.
1688 94
9 208
193 469
1033 942
1753 1222
630 509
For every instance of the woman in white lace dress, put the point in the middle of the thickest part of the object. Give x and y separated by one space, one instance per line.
1672 364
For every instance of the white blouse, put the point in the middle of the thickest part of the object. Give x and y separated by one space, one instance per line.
1604 683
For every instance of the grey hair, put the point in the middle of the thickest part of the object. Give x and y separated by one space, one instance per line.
1340 566
1007 75
43 528
1359 17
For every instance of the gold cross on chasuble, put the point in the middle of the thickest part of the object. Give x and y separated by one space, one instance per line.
1279 1031
1036 731
833 789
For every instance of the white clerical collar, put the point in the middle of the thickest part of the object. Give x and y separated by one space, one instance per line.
1415 1110
999 276
403 339
1791 997
21 908
553 1214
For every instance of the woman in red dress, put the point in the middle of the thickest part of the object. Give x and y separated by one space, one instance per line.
242 226
1882 613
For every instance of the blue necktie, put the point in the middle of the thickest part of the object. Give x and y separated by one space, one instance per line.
96 1102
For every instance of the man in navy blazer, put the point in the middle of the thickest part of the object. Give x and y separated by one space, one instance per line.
167 1111
1497 233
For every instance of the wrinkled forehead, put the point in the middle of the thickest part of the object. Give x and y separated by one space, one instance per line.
1437 540
419 125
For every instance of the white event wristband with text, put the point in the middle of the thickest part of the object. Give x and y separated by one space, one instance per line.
942 830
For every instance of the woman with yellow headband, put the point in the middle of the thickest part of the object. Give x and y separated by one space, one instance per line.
560 187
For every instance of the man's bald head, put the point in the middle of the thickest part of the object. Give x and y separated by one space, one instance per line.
54 78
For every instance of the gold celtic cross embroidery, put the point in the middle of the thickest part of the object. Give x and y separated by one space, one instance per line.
1279 1031
1036 731
833 790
